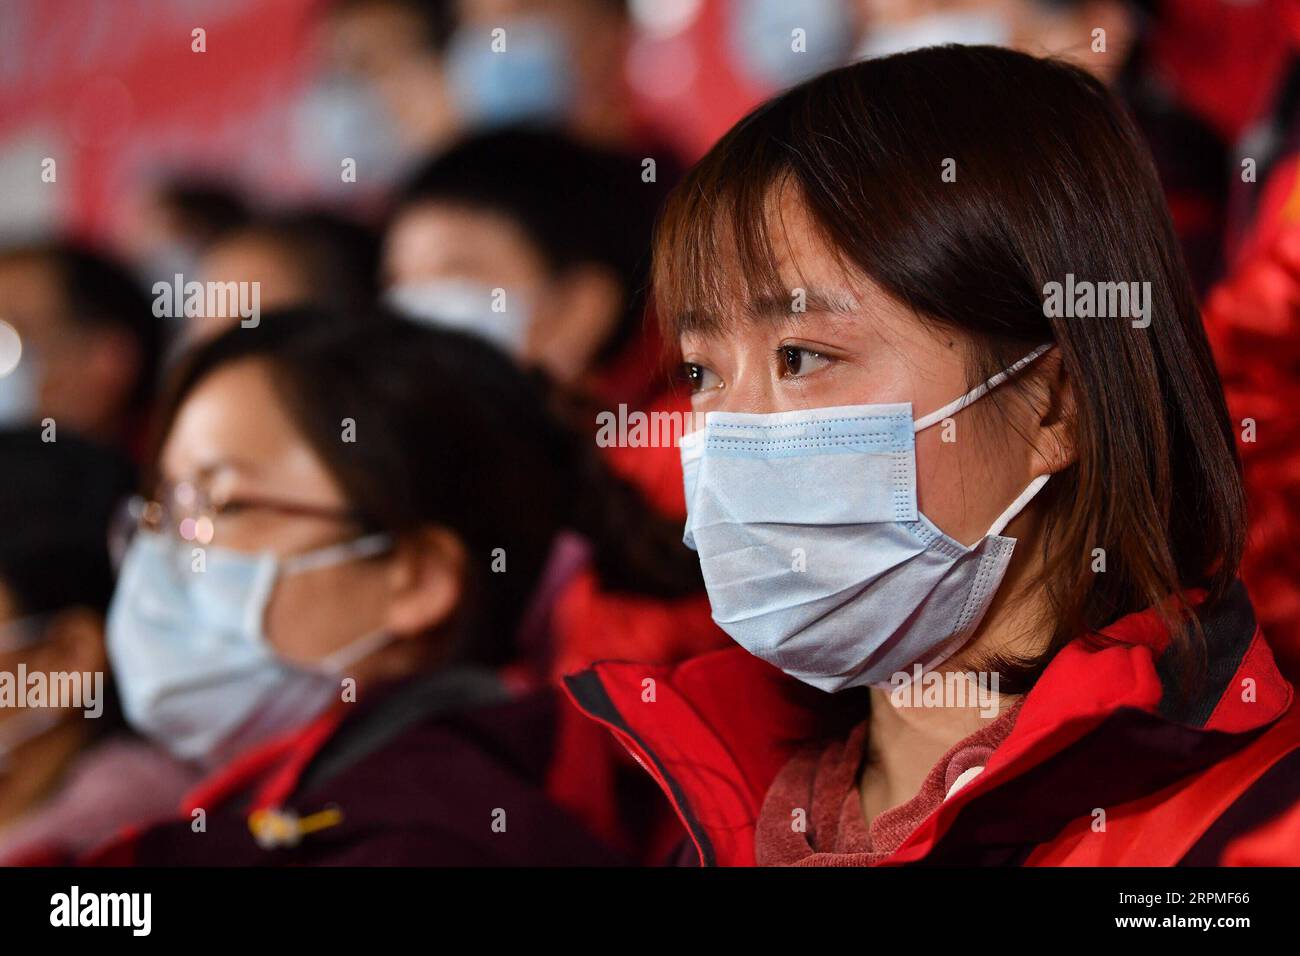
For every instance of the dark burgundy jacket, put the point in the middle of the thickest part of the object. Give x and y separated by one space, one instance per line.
418 776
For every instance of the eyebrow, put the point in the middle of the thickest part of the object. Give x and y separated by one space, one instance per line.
768 307
205 472
819 301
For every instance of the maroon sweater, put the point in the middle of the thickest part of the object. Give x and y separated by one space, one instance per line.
823 782
415 782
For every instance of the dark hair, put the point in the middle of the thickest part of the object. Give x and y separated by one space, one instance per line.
206 210
58 502
437 18
450 433
578 204
338 256
1051 178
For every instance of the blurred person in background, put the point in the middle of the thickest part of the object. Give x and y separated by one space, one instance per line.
381 94
299 258
1253 319
555 61
372 506
67 780
89 343
1111 39
1108 38
167 227
539 243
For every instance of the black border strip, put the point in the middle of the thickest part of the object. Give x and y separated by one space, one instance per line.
1272 794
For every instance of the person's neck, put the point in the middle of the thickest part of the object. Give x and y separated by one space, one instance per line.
905 742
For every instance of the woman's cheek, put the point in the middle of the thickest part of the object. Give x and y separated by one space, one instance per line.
309 614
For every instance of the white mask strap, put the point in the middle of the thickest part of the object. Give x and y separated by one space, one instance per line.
340 660
978 392
366 547
1018 505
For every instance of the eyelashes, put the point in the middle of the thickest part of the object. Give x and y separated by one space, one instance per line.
794 361
698 377
790 361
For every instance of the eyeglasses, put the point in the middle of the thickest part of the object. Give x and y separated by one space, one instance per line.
189 513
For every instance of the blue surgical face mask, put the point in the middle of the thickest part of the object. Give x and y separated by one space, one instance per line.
467 307
189 651
814 554
762 39
530 80
20 392
342 117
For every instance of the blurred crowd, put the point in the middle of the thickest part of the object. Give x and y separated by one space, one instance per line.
381 443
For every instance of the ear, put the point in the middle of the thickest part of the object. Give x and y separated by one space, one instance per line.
75 641
1052 394
426 582
579 313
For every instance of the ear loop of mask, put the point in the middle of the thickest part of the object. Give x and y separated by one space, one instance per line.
978 392
338 661
974 395
1018 505
367 547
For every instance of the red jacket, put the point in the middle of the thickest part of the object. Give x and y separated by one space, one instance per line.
1253 320
1178 784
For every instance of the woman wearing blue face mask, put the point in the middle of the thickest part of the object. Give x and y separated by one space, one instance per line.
966 497
348 530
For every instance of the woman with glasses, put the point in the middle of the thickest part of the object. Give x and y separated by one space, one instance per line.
349 526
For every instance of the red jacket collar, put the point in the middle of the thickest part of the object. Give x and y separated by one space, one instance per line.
269 772
715 730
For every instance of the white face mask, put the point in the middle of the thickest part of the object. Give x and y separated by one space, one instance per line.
814 554
20 392
189 651
502 317
337 117
533 82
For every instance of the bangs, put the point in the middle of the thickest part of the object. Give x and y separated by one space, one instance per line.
714 255
720 243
